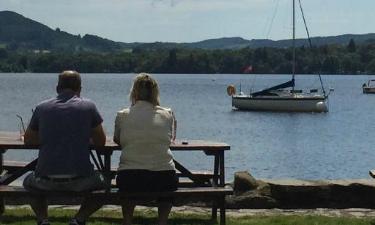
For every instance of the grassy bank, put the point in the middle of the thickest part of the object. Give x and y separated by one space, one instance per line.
24 216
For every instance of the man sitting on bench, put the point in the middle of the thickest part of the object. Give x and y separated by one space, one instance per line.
63 126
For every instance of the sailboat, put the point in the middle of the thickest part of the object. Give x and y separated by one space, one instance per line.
283 97
369 88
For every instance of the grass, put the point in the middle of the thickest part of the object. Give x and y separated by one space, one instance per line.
24 216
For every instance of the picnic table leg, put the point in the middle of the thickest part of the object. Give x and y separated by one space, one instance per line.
215 183
214 211
222 184
107 169
222 169
219 180
1 161
216 170
2 206
2 203
222 210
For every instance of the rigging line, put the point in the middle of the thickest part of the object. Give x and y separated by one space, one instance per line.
310 44
304 21
266 36
294 44
272 19
253 83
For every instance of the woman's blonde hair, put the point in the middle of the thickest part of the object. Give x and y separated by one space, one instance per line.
145 88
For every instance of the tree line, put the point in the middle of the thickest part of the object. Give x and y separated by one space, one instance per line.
327 59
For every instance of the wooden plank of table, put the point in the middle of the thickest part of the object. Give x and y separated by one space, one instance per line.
199 145
11 140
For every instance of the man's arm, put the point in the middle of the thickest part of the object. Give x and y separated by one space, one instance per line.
31 137
98 135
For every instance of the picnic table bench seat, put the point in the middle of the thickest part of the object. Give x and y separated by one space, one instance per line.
112 196
204 175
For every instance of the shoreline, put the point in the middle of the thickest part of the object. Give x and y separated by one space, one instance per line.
350 212
251 193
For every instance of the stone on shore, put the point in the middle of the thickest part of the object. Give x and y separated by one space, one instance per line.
250 193
243 181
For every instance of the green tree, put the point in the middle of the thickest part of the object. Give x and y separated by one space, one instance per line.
371 67
351 64
3 53
331 65
351 46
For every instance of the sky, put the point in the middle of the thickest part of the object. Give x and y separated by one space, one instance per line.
196 20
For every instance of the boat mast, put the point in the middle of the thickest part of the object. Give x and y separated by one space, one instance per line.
294 44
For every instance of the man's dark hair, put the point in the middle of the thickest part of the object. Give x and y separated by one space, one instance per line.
69 79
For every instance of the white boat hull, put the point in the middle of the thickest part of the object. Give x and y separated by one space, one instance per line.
369 90
277 103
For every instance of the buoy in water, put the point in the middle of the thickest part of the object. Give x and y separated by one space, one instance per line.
231 90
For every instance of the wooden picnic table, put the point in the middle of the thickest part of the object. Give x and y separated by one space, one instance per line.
102 159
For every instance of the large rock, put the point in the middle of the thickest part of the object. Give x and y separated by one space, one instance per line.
243 181
250 193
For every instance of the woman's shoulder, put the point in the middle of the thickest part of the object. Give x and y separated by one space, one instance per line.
123 112
164 110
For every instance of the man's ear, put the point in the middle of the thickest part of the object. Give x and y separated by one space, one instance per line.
78 92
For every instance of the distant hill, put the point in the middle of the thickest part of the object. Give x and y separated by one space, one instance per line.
221 43
237 42
22 34
316 41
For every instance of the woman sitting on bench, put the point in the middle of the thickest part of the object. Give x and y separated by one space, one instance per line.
145 131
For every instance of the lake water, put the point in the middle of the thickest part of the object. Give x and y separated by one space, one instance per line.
332 145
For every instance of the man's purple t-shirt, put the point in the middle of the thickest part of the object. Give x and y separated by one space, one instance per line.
64 125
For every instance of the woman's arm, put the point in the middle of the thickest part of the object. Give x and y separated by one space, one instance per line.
116 135
174 127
